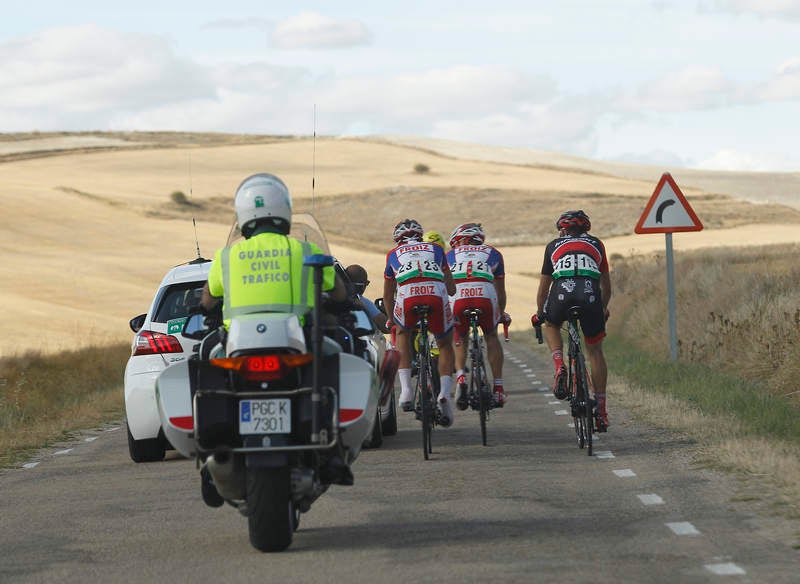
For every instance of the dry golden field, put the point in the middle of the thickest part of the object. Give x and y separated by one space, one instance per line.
88 227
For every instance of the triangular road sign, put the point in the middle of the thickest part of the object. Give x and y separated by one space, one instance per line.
668 210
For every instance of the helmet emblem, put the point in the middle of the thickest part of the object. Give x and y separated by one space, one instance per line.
259 202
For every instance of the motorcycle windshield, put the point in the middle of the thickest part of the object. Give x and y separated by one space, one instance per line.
304 228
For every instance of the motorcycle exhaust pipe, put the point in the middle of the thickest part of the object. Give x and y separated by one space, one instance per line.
228 476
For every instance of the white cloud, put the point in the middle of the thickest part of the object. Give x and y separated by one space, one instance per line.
734 160
694 87
86 71
785 84
312 30
763 8
429 93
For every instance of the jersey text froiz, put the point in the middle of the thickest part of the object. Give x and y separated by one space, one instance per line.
470 292
422 290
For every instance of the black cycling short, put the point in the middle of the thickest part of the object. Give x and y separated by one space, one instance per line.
577 291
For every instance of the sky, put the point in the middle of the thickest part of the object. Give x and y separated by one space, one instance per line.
710 84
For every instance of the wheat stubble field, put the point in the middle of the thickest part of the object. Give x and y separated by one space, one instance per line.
88 227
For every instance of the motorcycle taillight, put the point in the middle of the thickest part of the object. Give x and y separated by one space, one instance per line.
153 343
262 367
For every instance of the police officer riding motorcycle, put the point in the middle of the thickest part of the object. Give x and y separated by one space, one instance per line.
278 410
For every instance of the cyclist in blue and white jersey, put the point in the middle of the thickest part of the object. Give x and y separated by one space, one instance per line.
479 274
417 271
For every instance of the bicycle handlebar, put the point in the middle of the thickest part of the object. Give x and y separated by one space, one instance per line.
536 321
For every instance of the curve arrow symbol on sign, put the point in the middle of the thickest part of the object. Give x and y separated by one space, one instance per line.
661 208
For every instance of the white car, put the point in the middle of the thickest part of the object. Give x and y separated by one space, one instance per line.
158 343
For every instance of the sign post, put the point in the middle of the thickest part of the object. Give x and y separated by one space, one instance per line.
667 212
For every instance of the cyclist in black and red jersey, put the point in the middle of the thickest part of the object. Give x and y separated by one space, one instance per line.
575 272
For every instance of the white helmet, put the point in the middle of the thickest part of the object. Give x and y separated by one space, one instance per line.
467 234
262 196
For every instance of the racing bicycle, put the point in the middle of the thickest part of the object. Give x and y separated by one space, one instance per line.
479 394
425 405
582 404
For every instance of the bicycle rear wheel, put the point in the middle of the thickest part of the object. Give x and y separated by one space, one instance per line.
576 406
426 403
426 408
484 400
586 411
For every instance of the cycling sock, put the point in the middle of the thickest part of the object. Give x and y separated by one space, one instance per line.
447 385
558 358
498 384
601 402
406 391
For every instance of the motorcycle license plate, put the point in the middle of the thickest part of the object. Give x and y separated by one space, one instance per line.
265 416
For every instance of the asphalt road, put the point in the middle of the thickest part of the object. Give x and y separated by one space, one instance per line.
530 507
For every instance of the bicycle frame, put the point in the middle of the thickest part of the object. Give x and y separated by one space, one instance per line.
581 401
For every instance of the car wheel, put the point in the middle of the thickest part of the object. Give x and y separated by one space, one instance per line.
149 450
376 438
389 421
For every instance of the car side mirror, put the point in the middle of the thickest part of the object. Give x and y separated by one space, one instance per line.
137 322
195 327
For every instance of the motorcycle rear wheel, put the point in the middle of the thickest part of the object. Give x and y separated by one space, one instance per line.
270 514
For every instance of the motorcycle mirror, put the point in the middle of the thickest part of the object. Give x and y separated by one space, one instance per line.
195 327
363 325
379 305
137 322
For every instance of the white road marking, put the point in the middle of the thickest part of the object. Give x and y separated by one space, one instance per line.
651 499
604 454
113 429
625 472
90 439
553 403
530 375
726 569
557 413
30 464
542 388
683 528
60 452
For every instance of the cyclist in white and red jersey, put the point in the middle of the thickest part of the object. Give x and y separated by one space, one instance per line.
417 271
479 274
575 272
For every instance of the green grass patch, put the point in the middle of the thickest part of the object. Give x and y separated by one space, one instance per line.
707 389
45 397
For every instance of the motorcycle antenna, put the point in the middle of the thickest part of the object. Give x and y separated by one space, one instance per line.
314 160
194 223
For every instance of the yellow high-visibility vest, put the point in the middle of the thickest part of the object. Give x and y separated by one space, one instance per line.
266 274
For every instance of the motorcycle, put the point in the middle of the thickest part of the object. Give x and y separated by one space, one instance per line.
275 420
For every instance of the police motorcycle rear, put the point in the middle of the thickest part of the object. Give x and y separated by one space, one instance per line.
274 421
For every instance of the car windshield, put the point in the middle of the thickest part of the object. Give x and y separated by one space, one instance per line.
304 228
177 300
